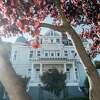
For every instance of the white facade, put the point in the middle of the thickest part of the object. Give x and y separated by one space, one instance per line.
54 52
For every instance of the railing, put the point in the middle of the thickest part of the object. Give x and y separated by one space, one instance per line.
52 59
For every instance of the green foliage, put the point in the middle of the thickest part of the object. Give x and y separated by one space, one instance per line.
54 81
77 98
97 64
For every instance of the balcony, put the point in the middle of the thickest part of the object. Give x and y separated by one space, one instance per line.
52 59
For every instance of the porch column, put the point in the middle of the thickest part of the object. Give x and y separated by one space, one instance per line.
33 70
64 67
41 72
74 74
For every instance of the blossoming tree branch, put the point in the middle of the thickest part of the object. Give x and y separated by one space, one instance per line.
21 16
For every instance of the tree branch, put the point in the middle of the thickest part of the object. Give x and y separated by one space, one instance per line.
63 17
8 77
78 44
56 28
66 27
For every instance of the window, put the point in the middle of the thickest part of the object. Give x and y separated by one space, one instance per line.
69 65
50 70
70 42
75 69
76 73
68 74
65 53
72 51
29 69
51 40
58 54
38 53
46 54
58 40
31 54
67 69
52 54
51 33
37 69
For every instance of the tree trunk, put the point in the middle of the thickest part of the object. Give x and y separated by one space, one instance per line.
9 79
94 91
94 79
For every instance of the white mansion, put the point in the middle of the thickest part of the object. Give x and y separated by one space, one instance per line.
56 51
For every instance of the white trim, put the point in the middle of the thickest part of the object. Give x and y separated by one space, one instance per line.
72 84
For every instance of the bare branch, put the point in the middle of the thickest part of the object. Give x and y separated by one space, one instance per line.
63 17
